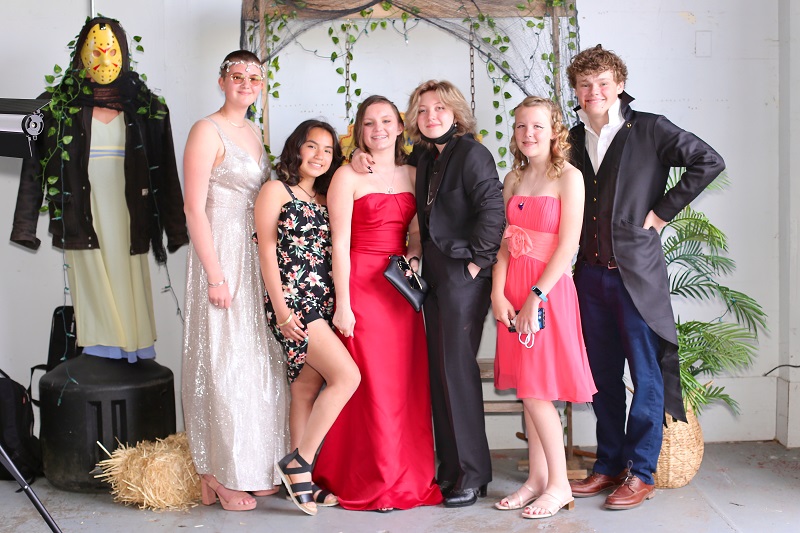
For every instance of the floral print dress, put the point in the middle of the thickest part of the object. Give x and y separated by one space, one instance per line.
304 260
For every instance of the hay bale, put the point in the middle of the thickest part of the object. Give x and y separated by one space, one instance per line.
153 475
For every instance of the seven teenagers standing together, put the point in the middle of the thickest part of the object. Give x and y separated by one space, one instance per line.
290 280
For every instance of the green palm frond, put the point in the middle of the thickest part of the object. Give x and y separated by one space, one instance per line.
691 225
720 183
748 311
707 349
692 284
696 255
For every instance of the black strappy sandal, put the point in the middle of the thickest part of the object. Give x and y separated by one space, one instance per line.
301 493
321 494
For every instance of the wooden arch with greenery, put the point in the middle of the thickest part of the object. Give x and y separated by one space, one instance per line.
269 25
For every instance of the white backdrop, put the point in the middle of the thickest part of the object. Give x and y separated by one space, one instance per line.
710 66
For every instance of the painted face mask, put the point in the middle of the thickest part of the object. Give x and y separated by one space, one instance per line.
101 54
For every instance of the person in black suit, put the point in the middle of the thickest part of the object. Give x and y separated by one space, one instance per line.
461 218
621 276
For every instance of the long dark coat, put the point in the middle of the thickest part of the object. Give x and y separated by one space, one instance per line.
642 153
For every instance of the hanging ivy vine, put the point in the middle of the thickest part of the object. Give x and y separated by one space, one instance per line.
64 86
344 37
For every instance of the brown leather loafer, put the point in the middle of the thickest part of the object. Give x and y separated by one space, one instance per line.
630 494
595 484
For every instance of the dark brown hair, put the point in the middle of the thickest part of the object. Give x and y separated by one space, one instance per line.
288 166
239 55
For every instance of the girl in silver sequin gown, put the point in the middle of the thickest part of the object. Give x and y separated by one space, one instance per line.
234 389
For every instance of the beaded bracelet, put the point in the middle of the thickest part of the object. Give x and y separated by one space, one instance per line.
289 319
215 285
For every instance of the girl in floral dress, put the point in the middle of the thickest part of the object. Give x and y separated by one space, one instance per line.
295 254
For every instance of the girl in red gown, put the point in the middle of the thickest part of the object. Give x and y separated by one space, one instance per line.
544 198
379 453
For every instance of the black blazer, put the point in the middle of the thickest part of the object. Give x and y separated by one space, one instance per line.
467 213
642 161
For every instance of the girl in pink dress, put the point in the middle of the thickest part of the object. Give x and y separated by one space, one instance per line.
544 198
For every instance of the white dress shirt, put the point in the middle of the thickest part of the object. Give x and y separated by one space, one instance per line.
597 146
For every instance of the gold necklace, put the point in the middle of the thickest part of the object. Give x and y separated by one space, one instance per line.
229 121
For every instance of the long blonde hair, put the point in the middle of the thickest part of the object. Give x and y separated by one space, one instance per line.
559 146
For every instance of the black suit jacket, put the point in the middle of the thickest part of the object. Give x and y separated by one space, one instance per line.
641 162
467 213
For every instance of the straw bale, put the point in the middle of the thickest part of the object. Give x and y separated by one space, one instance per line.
156 475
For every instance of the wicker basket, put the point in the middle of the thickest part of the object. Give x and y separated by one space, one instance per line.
681 453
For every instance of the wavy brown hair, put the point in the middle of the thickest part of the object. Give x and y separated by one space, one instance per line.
358 129
288 166
451 97
594 61
559 145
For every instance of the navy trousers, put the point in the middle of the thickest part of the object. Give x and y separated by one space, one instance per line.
614 332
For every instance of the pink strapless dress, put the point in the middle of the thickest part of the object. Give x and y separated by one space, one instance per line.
556 367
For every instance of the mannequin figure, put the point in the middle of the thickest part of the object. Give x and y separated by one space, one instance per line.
111 195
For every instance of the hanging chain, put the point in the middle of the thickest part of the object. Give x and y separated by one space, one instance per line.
472 68
347 103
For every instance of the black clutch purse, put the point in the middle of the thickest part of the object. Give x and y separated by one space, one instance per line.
411 286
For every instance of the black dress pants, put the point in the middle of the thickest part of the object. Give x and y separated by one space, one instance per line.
455 310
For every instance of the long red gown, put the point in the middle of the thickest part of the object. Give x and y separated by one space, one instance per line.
379 452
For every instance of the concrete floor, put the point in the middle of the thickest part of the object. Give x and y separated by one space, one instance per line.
741 487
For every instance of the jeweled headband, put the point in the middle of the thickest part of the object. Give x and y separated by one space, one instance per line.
228 64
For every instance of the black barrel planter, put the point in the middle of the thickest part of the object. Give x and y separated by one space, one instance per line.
91 399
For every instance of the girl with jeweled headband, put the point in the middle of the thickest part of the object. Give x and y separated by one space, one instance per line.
234 394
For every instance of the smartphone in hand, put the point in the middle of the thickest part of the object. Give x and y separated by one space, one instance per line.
513 328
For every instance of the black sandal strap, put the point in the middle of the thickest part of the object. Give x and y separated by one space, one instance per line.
302 492
321 494
304 467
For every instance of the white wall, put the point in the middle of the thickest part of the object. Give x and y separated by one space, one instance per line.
726 93
788 430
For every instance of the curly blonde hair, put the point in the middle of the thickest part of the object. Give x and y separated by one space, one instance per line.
453 100
559 145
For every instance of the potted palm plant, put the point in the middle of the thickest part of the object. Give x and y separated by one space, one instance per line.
696 256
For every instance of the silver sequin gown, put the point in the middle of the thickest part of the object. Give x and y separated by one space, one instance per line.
234 388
